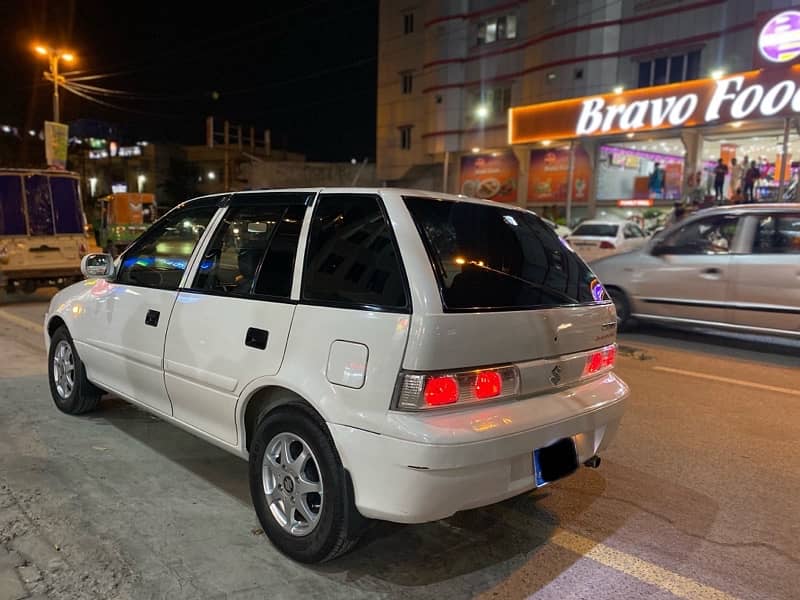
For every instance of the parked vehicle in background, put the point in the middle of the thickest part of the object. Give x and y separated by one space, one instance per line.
597 238
42 229
733 268
562 230
123 218
374 353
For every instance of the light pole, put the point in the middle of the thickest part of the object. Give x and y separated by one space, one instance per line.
54 56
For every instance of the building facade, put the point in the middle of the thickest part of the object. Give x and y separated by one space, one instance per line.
449 71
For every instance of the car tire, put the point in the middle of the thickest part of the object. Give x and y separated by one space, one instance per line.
310 527
623 308
72 393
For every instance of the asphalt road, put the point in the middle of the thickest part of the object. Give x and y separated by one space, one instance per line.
699 497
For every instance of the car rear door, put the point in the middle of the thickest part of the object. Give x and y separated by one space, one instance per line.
231 322
765 290
691 279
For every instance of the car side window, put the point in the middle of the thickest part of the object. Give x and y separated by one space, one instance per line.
159 258
777 234
352 260
629 232
231 260
637 231
252 252
711 235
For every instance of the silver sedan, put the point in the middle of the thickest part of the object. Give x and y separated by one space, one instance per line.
734 267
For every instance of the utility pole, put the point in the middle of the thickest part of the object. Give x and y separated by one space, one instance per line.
53 57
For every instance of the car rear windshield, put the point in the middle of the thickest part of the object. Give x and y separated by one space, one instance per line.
495 258
596 230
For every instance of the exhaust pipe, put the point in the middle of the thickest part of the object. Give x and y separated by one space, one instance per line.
593 462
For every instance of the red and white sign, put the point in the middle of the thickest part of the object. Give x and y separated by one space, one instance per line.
634 203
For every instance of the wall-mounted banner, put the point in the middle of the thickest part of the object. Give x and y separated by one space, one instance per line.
56 136
549 172
750 95
490 176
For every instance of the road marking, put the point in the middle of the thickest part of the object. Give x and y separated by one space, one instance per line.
750 384
25 323
678 585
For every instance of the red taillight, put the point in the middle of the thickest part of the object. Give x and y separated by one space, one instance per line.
600 360
488 384
440 391
607 246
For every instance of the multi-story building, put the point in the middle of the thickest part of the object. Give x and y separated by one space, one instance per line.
449 71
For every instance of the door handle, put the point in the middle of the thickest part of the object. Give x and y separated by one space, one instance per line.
151 318
256 338
712 271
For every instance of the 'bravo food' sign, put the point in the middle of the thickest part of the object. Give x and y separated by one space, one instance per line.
752 95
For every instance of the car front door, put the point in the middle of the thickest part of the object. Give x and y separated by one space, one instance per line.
765 290
124 325
231 322
690 278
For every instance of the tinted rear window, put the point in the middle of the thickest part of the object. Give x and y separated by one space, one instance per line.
495 258
596 229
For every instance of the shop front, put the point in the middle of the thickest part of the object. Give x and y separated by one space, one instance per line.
636 153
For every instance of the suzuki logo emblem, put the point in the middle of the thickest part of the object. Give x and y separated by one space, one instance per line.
555 375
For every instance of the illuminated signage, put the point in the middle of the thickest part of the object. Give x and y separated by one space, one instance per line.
633 203
750 95
779 40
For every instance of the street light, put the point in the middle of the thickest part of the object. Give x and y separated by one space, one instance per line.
54 56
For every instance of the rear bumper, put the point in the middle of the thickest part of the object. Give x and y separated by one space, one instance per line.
412 482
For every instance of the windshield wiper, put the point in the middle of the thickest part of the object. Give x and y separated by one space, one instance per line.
544 288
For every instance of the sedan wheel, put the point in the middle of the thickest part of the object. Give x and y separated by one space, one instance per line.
622 307
64 369
301 492
72 392
292 484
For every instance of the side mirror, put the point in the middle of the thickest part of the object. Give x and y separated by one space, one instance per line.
97 265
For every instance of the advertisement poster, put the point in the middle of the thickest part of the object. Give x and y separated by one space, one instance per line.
55 144
490 177
549 173
673 180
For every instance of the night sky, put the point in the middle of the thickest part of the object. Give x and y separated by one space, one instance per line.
304 69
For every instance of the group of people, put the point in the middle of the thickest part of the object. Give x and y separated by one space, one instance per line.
742 182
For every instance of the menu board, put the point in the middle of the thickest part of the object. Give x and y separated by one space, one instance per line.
493 177
549 174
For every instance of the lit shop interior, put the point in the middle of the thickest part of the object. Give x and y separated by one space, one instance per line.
623 169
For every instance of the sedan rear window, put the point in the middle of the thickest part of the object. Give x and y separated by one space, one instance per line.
496 258
596 230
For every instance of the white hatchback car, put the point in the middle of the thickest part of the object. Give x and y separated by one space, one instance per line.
375 354
599 238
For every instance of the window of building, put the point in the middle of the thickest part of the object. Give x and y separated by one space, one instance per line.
669 69
407 82
408 23
405 137
496 100
578 73
348 270
496 29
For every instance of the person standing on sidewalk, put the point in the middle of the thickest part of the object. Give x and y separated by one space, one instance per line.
737 174
750 177
720 172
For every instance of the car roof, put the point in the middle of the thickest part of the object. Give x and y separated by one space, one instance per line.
602 222
750 208
381 191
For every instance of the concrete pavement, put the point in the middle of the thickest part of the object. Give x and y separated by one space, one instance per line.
698 498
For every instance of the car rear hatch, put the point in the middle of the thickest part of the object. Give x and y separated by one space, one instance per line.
512 294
